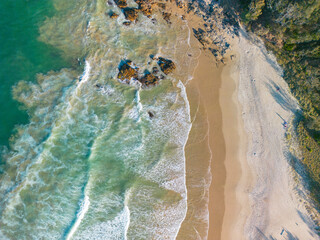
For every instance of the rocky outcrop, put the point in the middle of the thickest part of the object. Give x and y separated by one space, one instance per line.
200 34
166 17
145 6
127 71
149 79
113 15
166 65
130 14
121 3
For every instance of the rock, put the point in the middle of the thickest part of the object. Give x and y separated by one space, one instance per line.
131 14
151 115
152 56
145 6
149 79
200 34
155 70
162 5
113 15
166 65
126 72
126 23
121 3
166 17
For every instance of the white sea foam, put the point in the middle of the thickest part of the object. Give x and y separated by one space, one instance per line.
127 213
85 76
83 209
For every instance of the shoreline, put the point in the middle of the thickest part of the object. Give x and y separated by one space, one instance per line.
211 149
236 143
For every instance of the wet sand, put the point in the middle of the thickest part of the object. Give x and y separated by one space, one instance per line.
208 80
213 149
227 141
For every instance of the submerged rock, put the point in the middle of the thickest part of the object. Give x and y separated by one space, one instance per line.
166 65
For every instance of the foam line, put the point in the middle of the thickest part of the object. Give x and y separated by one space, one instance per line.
83 210
84 78
185 98
127 212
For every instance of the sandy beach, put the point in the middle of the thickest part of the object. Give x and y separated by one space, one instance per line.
238 136
217 86
239 182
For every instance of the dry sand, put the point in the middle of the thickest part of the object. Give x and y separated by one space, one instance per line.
276 213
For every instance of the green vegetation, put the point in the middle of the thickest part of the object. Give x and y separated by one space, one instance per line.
291 30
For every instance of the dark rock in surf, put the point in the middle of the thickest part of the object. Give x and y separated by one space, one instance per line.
113 15
126 23
155 70
121 3
151 115
166 17
130 14
126 71
166 65
149 79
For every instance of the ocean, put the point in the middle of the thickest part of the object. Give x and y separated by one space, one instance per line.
90 157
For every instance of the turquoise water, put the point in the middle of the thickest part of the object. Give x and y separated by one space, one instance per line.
90 163
22 56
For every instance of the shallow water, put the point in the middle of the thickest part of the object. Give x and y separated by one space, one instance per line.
92 163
